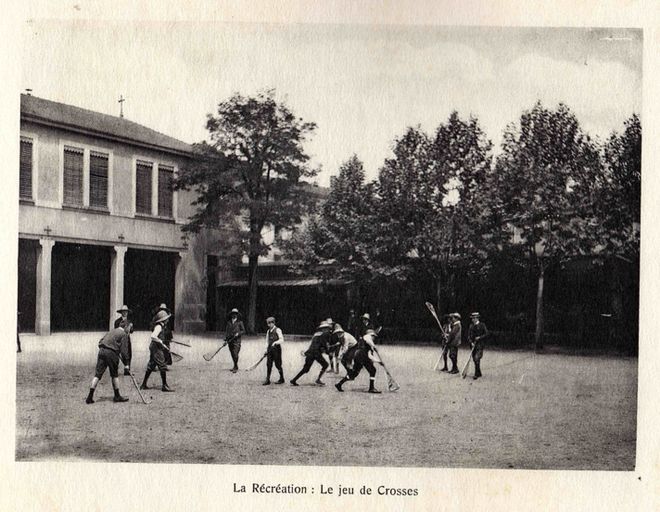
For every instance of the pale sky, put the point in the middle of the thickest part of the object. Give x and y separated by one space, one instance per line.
363 85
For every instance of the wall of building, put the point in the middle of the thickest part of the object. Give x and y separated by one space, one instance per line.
45 218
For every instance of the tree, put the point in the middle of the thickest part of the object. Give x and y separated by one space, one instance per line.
429 197
618 209
543 189
619 191
248 175
337 241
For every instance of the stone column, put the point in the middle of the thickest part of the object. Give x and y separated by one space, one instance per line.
179 286
117 282
44 262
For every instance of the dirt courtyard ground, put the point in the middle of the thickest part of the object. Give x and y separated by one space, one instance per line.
528 411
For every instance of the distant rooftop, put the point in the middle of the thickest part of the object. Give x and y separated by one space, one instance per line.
120 129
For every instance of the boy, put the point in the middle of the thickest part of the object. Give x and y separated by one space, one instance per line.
362 360
233 332
317 347
121 322
274 338
113 345
477 334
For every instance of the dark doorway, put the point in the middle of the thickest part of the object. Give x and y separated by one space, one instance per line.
211 293
28 251
80 287
148 282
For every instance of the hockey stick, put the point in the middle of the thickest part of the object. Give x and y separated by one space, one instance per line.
176 357
144 400
181 343
257 363
464 372
210 355
431 309
392 384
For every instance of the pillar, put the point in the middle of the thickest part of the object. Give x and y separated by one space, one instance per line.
117 282
179 286
44 263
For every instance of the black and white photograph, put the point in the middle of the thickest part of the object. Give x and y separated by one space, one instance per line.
328 245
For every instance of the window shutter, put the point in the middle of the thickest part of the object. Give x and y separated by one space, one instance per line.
73 176
143 187
25 191
165 177
98 179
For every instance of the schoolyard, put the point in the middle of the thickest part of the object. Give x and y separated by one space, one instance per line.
550 411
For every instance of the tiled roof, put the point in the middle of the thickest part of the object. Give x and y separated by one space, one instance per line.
101 125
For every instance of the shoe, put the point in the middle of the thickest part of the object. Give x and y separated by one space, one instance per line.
475 377
454 371
89 400
120 399
234 370
267 383
293 383
319 383
144 386
167 389
374 390
127 372
339 387
445 369
281 381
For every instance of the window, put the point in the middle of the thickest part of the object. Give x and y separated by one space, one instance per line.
25 186
98 179
73 176
165 177
143 179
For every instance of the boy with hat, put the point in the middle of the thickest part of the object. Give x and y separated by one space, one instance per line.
317 347
233 332
361 360
157 351
113 345
274 338
123 321
477 334
347 346
454 339
167 333
365 325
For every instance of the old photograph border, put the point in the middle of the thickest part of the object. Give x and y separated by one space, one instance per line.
206 486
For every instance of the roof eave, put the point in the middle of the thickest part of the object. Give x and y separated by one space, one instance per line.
115 138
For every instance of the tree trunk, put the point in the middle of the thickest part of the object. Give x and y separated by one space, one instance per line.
538 336
615 334
438 296
252 293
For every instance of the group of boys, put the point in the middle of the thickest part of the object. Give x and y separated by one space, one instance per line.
453 335
116 345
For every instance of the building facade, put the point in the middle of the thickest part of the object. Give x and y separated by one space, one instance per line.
99 223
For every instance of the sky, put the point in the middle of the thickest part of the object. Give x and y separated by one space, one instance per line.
362 84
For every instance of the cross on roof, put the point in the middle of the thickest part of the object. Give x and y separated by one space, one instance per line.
47 230
121 105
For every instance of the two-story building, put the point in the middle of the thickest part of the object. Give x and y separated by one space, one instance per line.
99 223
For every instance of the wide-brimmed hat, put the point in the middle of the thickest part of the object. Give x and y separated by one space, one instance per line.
161 316
329 320
163 307
324 324
366 315
457 316
124 308
337 329
234 311
474 315
270 319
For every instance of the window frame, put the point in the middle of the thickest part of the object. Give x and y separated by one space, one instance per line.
86 149
155 176
34 139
